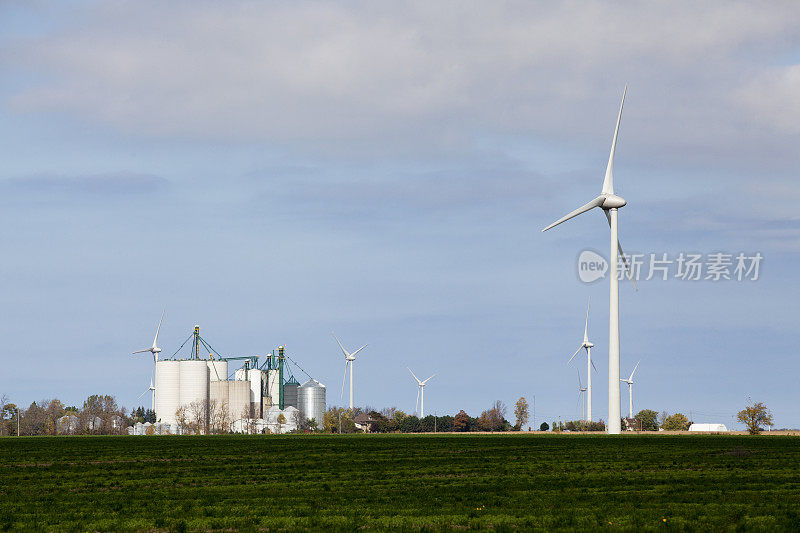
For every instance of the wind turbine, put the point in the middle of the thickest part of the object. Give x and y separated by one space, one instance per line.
349 360
629 381
155 350
587 345
420 394
153 390
610 203
581 391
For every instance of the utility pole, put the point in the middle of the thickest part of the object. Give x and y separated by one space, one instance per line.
17 421
340 423
534 412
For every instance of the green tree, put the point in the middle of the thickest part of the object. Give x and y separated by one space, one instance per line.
649 419
754 416
521 412
461 421
544 427
676 422
410 424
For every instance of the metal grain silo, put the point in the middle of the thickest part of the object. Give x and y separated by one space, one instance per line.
193 382
311 400
290 393
217 370
167 390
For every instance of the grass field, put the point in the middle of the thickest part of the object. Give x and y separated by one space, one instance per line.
425 482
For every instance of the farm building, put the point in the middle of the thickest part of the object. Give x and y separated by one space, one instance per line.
708 427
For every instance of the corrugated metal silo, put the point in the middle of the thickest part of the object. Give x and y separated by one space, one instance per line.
167 390
194 382
217 370
290 392
273 384
311 400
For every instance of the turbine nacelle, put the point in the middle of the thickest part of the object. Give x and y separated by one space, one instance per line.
587 345
612 201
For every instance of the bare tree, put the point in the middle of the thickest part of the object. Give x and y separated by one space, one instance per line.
182 419
219 417
300 421
198 414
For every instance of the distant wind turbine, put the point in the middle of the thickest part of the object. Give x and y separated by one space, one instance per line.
153 390
155 350
349 360
629 381
581 391
587 345
420 394
610 203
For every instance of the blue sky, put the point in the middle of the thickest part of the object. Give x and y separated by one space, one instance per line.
275 172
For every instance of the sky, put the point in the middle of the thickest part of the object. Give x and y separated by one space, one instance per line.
276 172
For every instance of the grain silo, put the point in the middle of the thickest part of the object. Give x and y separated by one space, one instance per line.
193 382
311 400
273 386
256 378
167 390
290 392
217 370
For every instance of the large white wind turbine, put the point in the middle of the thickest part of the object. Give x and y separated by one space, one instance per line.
586 345
629 381
155 350
349 360
420 394
610 203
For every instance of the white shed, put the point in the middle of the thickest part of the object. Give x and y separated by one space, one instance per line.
708 427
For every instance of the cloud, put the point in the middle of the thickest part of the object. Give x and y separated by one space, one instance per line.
356 74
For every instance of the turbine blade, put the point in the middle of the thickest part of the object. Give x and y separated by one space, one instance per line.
340 345
634 370
608 182
594 203
142 394
354 353
155 340
416 405
142 351
622 254
586 326
576 353
427 380
580 385
415 376
595 368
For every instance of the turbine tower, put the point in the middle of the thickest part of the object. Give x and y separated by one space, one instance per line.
629 381
349 360
420 394
610 203
155 350
587 345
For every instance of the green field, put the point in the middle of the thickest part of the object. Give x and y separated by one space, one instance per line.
394 481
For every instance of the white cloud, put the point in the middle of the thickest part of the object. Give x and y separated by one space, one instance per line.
402 72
